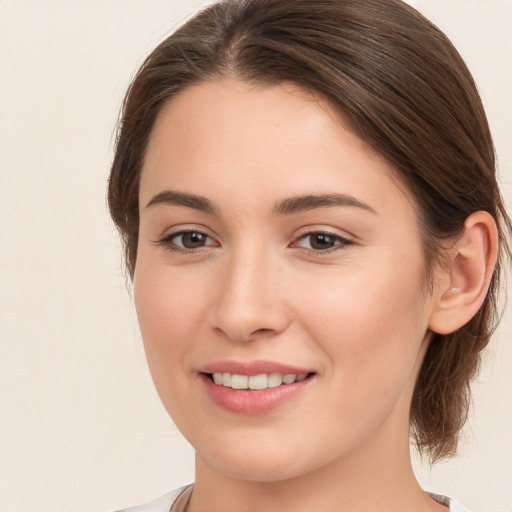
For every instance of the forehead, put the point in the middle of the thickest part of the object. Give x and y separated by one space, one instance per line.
212 110
279 138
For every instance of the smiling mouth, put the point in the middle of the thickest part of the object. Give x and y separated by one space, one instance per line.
256 382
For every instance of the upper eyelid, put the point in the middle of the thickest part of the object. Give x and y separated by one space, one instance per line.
310 230
322 232
166 239
344 239
182 232
330 234
305 231
180 229
168 243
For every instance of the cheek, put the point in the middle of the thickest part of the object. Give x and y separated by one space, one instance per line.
371 325
168 303
169 309
373 345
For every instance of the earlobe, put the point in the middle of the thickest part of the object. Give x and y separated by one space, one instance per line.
468 274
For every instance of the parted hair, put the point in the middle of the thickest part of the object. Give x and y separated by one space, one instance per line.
400 85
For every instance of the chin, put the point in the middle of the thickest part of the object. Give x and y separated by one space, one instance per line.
253 456
263 467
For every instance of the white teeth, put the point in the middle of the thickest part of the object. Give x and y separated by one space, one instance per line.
275 380
239 381
289 378
258 381
255 382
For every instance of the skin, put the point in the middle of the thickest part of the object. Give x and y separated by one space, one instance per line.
357 314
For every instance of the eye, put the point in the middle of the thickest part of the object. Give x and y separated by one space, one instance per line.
321 242
187 241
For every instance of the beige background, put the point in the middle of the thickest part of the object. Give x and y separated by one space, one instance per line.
81 428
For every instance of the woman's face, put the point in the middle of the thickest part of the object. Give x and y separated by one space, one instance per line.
273 241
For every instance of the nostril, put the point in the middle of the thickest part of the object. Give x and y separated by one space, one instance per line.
239 335
261 331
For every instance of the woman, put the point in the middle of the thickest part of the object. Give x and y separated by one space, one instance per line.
307 195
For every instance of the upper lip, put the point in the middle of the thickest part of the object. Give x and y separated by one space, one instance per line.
249 368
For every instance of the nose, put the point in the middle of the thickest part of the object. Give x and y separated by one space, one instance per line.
250 304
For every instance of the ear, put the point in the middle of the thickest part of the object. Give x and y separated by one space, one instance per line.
465 279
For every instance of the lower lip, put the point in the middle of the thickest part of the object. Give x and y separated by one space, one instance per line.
244 401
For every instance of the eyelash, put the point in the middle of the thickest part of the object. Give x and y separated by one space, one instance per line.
170 245
339 241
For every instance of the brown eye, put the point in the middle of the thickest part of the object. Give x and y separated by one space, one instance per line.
193 240
188 240
322 242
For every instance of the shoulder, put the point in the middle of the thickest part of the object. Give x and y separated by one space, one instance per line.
454 505
162 504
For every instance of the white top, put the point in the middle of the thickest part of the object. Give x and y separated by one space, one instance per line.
165 502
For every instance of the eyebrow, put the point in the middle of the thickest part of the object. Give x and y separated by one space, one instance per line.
310 202
174 198
286 207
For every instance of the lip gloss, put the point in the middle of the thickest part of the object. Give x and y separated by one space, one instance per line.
245 401
252 402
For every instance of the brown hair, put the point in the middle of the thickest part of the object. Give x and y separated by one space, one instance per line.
402 87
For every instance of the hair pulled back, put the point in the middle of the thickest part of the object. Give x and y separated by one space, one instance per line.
401 86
